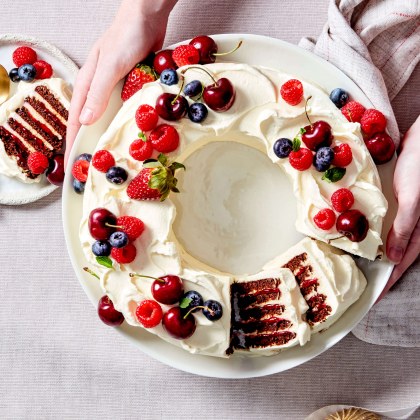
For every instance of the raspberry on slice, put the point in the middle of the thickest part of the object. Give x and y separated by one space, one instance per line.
146 117
80 170
342 155
342 200
141 149
301 159
185 55
164 138
37 163
373 121
130 225
325 219
353 111
43 69
149 313
102 160
124 255
24 55
292 91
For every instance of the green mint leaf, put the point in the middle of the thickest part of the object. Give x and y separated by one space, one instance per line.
296 144
105 261
142 136
334 174
184 303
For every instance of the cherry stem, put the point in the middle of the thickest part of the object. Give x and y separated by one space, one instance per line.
180 90
306 111
338 237
92 273
114 226
229 52
198 307
147 277
200 68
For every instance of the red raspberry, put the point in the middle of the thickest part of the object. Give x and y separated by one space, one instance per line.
373 121
185 55
24 55
292 91
80 170
124 255
164 138
37 163
102 160
146 117
342 155
43 69
149 313
353 111
325 219
342 200
141 149
132 226
302 159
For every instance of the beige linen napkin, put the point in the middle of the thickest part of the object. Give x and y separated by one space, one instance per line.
377 44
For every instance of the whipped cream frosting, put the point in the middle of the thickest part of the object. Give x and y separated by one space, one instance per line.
61 91
257 119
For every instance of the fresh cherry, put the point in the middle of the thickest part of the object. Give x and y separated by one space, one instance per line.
206 47
55 172
381 147
220 95
101 223
168 289
317 135
177 324
353 224
108 314
171 107
163 60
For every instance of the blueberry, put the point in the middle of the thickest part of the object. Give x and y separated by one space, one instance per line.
118 239
195 300
78 186
282 148
213 311
116 175
340 97
197 112
13 75
193 88
85 156
27 72
169 77
101 248
323 158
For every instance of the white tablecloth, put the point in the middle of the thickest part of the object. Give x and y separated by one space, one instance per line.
57 360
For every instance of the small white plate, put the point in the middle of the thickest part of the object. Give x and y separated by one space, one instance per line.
13 191
268 52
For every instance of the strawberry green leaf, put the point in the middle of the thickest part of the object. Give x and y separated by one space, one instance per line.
334 174
177 165
162 159
105 261
185 302
151 163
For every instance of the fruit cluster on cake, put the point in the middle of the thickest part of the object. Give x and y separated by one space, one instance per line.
126 231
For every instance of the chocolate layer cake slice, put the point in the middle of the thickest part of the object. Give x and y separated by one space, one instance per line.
267 313
32 120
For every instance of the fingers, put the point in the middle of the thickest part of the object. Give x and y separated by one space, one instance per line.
80 91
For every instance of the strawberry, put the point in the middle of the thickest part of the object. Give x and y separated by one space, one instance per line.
24 55
80 170
43 69
164 138
141 148
102 160
130 225
155 181
37 163
146 117
185 55
292 91
135 80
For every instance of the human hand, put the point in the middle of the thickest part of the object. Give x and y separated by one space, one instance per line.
403 242
138 28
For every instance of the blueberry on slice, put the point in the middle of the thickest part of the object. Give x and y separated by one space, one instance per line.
78 187
193 298
213 310
101 248
169 77
340 97
197 112
118 239
85 156
27 72
13 75
323 158
116 175
282 148
193 88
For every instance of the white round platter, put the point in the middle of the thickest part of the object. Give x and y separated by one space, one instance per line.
13 191
268 52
